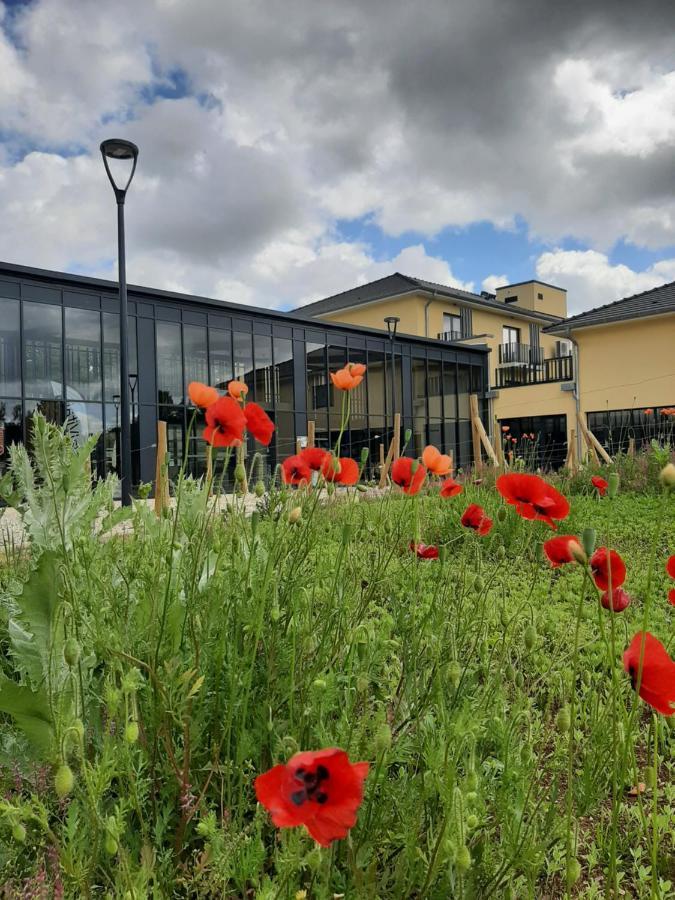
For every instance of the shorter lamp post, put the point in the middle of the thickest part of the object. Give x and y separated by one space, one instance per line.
117 149
392 324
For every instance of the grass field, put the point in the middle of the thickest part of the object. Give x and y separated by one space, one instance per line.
149 679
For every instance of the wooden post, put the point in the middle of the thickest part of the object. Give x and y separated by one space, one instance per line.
484 439
311 432
499 449
161 473
209 468
382 463
384 471
475 435
571 461
397 435
298 446
631 446
594 445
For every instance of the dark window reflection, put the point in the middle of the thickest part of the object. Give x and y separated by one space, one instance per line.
42 353
52 410
195 352
220 354
11 429
264 373
169 363
84 376
283 373
243 358
10 350
175 436
317 378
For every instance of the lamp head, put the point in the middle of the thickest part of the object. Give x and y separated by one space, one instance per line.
392 325
119 149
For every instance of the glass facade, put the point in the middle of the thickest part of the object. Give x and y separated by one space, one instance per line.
615 429
60 355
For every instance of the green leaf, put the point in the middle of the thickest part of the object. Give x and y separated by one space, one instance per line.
34 636
30 711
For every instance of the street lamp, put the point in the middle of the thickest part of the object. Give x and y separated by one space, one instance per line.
392 324
116 149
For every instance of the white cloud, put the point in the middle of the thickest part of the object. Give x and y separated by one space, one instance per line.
492 282
591 280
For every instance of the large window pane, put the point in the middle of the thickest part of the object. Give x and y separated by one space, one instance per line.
450 390
43 359
220 354
463 392
317 379
195 352
378 384
52 410
435 390
175 434
11 429
10 350
283 373
84 379
419 379
337 359
169 364
111 354
243 358
264 373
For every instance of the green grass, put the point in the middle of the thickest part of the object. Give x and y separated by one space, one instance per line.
234 642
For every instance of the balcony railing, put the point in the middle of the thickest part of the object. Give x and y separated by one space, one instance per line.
556 368
452 336
520 355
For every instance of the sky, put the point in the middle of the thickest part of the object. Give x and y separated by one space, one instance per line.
291 150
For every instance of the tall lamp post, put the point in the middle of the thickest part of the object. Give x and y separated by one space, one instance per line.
117 149
392 324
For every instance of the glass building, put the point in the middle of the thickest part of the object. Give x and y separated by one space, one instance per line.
59 355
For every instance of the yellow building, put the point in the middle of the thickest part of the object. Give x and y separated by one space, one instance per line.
545 368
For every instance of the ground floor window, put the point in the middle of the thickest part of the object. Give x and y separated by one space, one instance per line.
617 428
541 441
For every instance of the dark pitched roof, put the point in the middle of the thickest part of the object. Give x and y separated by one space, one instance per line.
654 302
392 285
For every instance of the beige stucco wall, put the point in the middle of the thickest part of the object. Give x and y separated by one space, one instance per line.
627 365
553 300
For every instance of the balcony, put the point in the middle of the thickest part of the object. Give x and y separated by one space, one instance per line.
518 374
452 336
520 355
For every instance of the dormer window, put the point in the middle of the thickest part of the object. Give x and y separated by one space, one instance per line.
540 296
513 299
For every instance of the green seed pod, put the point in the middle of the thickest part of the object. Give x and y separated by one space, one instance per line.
330 488
383 738
650 777
64 781
520 681
563 720
71 652
463 859
501 552
588 539
259 488
573 871
478 583
364 456
472 822
510 672
530 637
415 466
111 846
407 435
240 473
131 732
612 484
19 833
471 780
319 685
501 514
454 673
362 488
525 754
471 797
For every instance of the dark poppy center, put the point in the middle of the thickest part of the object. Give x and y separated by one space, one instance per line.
312 785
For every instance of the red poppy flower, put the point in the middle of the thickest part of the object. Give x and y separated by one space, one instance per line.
314 457
656 675
450 488
620 600
259 423
505 428
606 563
600 485
648 412
201 394
294 470
402 474
321 790
533 497
436 462
424 551
671 597
225 423
670 566
532 435
346 472
474 517
558 549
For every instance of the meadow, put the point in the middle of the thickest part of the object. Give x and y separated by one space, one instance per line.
154 667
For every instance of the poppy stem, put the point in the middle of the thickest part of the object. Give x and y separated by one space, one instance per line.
655 812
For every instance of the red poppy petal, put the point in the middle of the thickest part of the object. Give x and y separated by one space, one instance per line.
671 597
670 566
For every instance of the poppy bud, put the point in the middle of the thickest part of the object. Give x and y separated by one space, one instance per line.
539 551
63 781
259 488
294 515
414 466
650 777
525 754
471 780
362 488
478 583
111 846
471 822
471 797
573 871
454 673
364 456
577 552
563 720
504 618
239 473
588 539
131 732
520 681
362 684
612 484
275 612
71 652
667 476
407 434
319 684
530 637
501 552
383 738
463 859
330 488
501 514
510 672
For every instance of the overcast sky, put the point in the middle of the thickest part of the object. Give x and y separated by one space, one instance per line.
290 150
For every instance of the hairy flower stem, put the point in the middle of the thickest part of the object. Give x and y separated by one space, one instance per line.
655 893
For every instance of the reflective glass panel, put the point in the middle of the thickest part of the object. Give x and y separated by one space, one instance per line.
243 358
195 352
283 373
11 429
169 363
10 351
42 355
264 373
220 355
84 378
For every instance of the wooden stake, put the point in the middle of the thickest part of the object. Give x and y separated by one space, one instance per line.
397 435
499 449
384 470
475 435
631 446
594 445
161 472
311 432
571 461
298 446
